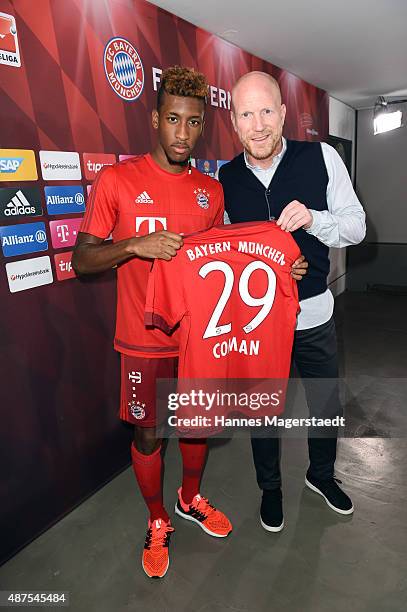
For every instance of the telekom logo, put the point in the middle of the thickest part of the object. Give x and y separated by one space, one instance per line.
152 224
64 232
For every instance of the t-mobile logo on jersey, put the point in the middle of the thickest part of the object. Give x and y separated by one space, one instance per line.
151 224
135 377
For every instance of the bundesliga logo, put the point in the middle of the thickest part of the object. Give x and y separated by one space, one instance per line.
123 69
9 51
202 197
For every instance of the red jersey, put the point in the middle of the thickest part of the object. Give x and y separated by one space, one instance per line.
134 198
232 291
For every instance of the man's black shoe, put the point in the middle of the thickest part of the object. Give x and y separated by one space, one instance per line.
271 511
332 493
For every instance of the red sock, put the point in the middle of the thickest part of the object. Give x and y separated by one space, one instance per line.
193 460
148 471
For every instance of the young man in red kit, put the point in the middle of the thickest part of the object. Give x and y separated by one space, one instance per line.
146 202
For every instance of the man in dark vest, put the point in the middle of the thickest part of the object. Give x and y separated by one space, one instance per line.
305 187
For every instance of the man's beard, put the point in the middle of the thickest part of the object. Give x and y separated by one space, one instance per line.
176 162
263 152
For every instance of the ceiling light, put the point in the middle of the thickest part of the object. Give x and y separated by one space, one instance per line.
384 117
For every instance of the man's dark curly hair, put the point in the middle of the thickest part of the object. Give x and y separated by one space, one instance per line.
180 81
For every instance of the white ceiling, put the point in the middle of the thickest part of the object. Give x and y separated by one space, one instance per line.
354 49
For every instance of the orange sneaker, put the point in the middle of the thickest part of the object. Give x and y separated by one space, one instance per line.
200 511
156 560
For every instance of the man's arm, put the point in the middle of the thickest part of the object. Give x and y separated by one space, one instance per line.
92 255
343 224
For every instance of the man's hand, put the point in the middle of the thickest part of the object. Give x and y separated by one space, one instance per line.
299 268
294 216
158 245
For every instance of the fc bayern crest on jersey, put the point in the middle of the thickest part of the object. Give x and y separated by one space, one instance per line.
123 68
202 197
137 410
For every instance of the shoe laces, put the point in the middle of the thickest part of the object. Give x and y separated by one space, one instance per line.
158 534
337 480
202 506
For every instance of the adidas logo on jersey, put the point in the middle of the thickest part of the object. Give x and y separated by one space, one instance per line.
144 198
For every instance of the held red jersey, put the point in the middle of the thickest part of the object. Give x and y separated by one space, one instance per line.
231 290
134 198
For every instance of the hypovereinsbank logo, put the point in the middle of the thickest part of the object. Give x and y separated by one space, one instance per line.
29 273
60 166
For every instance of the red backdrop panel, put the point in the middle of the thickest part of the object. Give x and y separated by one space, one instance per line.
59 433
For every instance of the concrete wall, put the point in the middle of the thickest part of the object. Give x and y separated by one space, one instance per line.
342 123
381 184
382 180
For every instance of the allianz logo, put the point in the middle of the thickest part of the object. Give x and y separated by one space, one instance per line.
57 199
39 236
19 205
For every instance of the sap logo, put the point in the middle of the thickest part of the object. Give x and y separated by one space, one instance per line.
154 224
10 164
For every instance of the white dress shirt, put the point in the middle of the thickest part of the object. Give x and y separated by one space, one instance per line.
343 224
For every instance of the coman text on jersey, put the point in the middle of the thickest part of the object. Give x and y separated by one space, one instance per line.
233 345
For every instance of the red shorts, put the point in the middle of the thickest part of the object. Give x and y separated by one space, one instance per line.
138 387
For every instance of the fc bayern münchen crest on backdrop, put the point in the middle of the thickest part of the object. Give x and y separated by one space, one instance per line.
202 197
123 68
